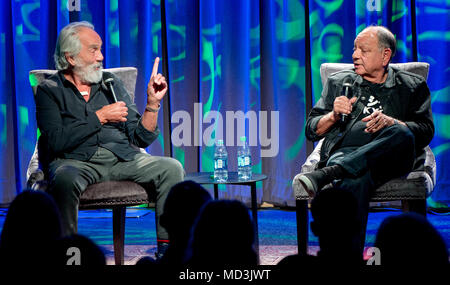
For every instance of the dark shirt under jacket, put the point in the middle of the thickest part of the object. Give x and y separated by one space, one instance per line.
404 96
72 129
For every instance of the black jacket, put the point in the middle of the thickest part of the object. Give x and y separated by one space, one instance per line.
71 129
405 97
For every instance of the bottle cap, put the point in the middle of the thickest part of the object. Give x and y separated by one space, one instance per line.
219 142
243 139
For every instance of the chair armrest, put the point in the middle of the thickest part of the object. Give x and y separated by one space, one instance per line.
37 181
312 159
33 165
430 163
308 166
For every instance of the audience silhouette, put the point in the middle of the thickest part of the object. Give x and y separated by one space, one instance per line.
181 208
223 235
220 233
335 223
410 240
31 230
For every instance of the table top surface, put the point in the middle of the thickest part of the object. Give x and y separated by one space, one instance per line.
208 178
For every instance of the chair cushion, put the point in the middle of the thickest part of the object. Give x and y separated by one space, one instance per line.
416 186
106 194
113 193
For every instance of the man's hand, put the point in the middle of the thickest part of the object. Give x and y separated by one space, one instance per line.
156 88
342 105
377 121
113 113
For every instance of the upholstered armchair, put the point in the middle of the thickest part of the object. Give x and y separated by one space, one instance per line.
412 190
115 195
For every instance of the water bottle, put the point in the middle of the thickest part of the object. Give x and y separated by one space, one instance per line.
220 162
244 161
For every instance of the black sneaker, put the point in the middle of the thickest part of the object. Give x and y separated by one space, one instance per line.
313 182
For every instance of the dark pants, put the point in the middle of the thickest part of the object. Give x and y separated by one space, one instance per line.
70 177
389 155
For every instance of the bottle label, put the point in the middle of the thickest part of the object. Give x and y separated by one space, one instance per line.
241 161
244 161
247 161
220 164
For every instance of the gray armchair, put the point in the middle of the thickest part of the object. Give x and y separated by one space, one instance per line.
411 190
115 195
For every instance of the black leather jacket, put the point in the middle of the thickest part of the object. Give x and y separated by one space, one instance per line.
405 97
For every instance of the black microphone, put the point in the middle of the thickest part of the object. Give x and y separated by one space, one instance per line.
109 82
347 90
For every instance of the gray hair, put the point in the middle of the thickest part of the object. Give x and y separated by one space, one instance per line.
68 42
386 38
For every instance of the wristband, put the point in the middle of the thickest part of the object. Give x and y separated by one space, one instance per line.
153 110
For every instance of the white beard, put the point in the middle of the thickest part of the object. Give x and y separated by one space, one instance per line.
89 74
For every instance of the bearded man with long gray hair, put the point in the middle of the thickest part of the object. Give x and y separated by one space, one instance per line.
89 134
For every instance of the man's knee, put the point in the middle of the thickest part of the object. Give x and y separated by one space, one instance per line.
403 133
399 155
173 168
67 178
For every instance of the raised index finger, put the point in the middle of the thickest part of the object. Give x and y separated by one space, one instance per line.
155 67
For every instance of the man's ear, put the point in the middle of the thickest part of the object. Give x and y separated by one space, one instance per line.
70 59
387 53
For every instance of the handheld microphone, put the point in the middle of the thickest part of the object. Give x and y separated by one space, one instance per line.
109 82
347 93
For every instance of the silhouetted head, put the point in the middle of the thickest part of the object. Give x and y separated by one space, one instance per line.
334 211
410 240
31 227
224 235
181 208
335 223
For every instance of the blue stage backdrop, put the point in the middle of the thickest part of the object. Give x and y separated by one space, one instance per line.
235 68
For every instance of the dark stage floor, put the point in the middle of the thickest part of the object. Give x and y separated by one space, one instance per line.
277 231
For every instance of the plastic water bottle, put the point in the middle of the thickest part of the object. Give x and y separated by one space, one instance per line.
244 161
220 162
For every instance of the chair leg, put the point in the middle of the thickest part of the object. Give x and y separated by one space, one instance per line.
418 206
302 226
119 234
